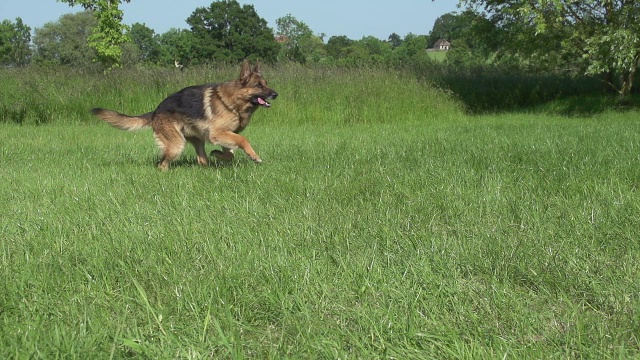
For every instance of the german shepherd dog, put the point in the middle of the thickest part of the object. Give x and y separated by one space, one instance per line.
216 113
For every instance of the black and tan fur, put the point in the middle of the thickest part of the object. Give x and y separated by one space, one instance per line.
214 113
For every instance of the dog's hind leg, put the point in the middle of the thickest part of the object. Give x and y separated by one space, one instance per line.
201 154
170 140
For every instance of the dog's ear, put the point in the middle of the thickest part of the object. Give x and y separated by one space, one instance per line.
256 67
245 73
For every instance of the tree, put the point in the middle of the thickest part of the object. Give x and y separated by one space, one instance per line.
64 42
178 45
298 41
461 54
377 50
338 46
445 27
146 41
109 33
474 39
14 43
597 36
413 50
395 40
368 50
226 31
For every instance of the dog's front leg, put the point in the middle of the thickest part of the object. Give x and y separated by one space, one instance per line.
231 140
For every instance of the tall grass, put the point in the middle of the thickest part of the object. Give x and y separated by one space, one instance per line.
319 94
384 223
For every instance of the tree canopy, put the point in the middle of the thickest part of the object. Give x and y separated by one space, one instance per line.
226 31
588 36
597 38
64 42
15 38
298 41
109 33
146 41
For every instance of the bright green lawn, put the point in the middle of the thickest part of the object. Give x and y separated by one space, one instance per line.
439 56
513 236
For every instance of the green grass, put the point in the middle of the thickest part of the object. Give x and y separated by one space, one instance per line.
381 225
439 56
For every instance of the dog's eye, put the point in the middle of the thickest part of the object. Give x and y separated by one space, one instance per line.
259 86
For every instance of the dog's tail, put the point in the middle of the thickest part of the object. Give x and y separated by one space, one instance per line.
121 121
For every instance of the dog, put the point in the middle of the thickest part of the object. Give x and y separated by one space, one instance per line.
214 113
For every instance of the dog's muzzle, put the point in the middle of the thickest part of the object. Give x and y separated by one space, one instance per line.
262 101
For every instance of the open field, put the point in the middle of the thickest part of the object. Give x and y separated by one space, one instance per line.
439 56
384 223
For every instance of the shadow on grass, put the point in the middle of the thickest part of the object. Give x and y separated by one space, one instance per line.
187 161
493 90
588 105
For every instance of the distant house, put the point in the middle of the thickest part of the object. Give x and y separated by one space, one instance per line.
441 45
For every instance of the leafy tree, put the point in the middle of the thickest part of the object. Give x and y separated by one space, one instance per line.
338 46
226 31
131 55
445 27
474 39
368 50
14 43
377 50
375 46
178 45
109 33
64 42
395 40
413 50
298 41
596 36
146 41
461 54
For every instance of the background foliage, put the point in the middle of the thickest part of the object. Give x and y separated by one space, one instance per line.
15 38
548 38
109 33
593 37
228 32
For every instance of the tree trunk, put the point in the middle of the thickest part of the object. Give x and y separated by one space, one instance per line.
609 82
627 80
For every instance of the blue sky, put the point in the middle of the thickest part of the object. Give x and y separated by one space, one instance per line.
353 18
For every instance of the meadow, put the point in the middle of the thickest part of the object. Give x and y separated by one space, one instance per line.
385 222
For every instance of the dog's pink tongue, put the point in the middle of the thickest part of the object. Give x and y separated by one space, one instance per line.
263 103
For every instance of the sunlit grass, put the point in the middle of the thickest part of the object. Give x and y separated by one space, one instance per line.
380 225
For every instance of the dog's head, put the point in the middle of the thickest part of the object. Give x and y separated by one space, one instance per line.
255 85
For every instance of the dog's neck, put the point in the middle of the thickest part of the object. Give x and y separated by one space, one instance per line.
242 113
225 103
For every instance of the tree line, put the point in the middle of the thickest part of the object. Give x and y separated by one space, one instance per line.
225 31
599 38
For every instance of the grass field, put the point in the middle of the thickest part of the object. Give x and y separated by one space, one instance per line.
383 223
439 56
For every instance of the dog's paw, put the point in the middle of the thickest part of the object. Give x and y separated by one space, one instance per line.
222 155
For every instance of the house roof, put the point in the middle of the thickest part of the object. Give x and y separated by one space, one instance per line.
441 42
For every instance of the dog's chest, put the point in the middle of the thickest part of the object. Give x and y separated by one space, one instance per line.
225 119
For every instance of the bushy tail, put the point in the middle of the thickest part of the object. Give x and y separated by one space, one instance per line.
121 121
